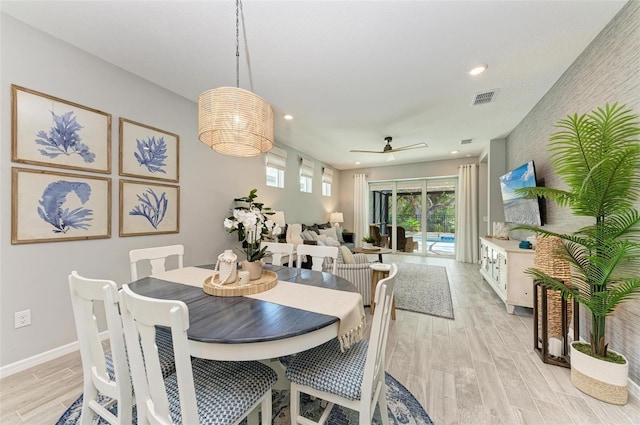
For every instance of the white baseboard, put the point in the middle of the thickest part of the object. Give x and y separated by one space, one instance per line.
38 359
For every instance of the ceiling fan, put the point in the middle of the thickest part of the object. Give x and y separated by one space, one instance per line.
389 149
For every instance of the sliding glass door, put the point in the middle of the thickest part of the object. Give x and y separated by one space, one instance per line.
441 216
409 225
414 216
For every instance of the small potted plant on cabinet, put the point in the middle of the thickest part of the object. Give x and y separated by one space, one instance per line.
598 157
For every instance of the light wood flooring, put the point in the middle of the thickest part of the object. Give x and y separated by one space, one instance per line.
477 369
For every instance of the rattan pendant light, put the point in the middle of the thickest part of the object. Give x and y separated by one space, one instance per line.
233 121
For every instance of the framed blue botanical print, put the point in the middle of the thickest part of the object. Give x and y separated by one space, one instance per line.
48 206
148 208
147 152
49 131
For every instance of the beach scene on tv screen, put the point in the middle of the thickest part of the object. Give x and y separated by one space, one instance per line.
518 209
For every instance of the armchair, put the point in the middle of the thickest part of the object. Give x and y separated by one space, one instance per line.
405 244
374 232
358 272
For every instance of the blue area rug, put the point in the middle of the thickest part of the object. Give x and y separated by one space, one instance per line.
402 406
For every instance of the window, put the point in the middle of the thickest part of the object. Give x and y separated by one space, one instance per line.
275 165
327 181
306 175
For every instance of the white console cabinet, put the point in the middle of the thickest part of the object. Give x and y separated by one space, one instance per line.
502 264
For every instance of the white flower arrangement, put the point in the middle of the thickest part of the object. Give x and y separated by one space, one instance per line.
252 224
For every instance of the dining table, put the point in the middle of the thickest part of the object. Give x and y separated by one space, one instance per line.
244 328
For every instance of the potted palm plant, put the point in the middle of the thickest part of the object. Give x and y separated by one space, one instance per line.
598 157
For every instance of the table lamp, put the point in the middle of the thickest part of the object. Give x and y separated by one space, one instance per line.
336 218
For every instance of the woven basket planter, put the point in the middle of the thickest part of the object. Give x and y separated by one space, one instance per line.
599 379
547 259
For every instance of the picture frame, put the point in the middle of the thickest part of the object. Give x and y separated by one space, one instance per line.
53 132
49 206
148 208
148 152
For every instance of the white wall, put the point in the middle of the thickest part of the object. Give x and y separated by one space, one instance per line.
34 276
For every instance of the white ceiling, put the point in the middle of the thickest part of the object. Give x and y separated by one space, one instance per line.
351 72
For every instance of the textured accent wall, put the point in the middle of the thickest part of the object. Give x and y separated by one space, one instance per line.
607 71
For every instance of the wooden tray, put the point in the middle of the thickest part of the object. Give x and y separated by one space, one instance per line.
370 249
265 282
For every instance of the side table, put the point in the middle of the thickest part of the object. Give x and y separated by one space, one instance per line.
378 272
544 312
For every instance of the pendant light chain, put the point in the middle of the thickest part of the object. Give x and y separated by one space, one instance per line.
237 43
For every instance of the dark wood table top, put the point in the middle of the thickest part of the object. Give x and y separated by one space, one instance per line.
242 320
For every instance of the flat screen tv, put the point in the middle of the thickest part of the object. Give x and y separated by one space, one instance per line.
518 209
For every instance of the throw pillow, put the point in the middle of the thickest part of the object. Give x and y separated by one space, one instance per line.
347 256
306 235
340 238
331 232
328 240
332 242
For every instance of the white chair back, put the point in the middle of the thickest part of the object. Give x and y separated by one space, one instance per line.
140 316
278 251
157 256
84 294
318 254
373 381
227 391
353 378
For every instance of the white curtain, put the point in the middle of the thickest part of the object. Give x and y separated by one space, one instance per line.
467 214
360 208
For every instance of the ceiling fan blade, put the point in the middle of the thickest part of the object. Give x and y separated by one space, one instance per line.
368 151
416 146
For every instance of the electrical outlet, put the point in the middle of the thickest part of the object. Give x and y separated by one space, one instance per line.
22 318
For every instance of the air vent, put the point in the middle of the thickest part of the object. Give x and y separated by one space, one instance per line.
484 97
465 141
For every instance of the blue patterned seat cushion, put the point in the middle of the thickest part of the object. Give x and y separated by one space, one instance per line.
165 351
328 369
224 390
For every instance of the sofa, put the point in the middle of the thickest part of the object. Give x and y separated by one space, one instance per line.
315 234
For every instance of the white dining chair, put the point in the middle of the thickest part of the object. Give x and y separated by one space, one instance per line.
157 256
104 373
354 378
318 254
201 391
278 251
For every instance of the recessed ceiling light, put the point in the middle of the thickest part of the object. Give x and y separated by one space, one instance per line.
454 152
288 117
478 69
357 162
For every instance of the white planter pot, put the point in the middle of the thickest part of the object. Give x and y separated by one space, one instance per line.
605 381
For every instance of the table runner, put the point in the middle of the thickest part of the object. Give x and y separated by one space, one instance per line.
347 306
